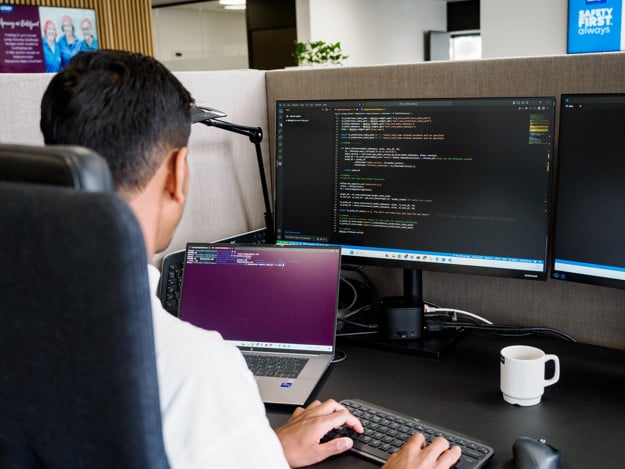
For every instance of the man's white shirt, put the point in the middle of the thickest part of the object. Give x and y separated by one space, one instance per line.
211 410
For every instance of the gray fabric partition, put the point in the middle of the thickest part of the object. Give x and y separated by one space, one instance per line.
593 315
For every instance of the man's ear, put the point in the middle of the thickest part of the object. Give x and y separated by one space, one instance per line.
178 174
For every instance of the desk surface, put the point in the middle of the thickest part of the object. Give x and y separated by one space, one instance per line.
583 414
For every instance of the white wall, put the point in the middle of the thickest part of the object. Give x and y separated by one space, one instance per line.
372 31
514 28
207 40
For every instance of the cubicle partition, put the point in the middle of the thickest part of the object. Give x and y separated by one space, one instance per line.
225 198
592 314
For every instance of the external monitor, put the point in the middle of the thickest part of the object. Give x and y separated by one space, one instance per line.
589 225
457 185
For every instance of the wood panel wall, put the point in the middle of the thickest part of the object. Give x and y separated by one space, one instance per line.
121 24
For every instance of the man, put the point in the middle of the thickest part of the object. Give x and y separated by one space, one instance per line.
136 114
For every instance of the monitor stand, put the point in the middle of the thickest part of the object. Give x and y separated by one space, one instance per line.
402 323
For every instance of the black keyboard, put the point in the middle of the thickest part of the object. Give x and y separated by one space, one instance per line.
275 366
386 431
173 266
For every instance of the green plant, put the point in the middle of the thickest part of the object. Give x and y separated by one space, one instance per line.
318 52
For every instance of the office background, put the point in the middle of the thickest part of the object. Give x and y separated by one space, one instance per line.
202 36
371 32
227 199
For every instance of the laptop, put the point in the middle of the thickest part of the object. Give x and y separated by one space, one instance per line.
273 302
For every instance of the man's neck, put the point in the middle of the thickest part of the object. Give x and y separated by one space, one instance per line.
147 215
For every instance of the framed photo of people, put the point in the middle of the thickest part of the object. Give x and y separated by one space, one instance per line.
44 39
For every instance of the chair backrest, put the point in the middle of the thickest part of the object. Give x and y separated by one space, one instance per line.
63 165
78 379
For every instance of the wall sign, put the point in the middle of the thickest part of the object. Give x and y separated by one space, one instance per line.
43 39
595 26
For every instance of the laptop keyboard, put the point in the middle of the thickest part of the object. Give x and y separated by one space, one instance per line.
275 366
172 279
386 431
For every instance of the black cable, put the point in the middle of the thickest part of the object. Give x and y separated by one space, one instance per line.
501 329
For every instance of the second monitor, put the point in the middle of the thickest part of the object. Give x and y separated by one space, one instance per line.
589 226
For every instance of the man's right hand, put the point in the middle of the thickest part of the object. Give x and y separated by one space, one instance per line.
415 454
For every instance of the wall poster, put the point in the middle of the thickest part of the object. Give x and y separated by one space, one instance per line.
43 39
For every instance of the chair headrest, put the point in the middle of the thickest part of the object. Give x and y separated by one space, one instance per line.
61 165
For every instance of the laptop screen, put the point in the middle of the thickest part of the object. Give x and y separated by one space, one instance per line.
263 296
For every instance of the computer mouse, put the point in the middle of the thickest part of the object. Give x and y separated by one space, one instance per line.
530 453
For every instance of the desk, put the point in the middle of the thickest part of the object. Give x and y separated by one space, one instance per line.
583 414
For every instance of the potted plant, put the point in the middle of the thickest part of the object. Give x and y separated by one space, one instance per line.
318 52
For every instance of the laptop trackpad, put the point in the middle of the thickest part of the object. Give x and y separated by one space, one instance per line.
292 390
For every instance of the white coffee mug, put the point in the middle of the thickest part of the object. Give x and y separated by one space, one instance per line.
522 371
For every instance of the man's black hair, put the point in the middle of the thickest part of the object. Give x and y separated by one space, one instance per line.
125 106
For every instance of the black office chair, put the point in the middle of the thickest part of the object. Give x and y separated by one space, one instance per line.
62 165
78 382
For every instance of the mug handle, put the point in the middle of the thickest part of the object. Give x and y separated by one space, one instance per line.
556 373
